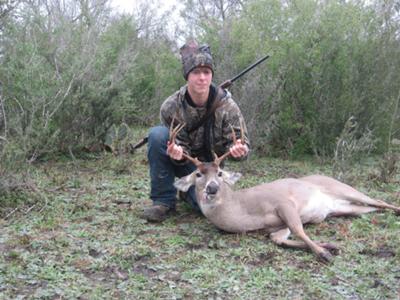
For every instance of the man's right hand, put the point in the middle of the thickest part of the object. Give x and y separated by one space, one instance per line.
174 151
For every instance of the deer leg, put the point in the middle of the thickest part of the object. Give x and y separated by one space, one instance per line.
341 190
352 210
381 204
280 238
290 216
360 198
351 194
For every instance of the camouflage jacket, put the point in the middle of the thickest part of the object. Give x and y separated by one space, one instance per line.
193 141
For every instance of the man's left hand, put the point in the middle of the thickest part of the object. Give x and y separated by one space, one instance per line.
238 149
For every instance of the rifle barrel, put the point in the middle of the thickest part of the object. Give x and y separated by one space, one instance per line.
249 68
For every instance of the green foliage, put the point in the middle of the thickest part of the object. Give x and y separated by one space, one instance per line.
329 61
351 145
67 79
69 72
18 191
117 138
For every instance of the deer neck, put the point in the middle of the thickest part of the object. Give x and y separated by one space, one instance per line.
221 209
216 204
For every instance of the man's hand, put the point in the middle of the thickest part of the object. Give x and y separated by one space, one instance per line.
238 149
174 151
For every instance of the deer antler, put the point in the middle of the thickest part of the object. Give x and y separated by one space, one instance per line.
195 161
217 159
174 131
172 136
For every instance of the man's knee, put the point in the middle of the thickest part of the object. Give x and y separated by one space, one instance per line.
158 136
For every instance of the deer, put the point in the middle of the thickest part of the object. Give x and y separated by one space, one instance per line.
279 208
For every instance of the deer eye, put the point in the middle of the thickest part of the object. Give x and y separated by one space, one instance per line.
219 174
198 174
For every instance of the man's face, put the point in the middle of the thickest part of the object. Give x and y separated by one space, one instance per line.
199 81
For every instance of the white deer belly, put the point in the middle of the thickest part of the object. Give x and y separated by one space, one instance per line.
319 206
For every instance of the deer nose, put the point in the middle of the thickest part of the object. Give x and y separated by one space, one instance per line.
212 188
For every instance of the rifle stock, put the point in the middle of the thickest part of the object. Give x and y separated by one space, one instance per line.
139 144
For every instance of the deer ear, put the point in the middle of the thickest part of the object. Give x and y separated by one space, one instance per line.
231 177
184 183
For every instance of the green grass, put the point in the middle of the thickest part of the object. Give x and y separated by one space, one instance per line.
85 239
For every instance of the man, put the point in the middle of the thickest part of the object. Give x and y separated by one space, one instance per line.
208 113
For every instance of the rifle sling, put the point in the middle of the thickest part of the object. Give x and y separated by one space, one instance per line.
216 103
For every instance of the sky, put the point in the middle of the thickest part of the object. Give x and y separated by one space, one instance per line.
128 6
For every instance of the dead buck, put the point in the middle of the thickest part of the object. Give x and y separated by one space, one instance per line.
280 207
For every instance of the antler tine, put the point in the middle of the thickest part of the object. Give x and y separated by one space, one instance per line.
242 131
217 159
174 131
195 161
242 140
171 127
215 156
172 135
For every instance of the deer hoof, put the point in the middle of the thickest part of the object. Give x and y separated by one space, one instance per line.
326 256
331 248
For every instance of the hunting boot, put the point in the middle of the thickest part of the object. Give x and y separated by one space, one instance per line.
157 213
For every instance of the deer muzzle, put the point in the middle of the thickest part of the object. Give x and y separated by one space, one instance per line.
212 188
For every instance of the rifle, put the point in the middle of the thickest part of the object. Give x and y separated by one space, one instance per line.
223 85
229 82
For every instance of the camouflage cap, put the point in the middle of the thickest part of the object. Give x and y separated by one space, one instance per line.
193 56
